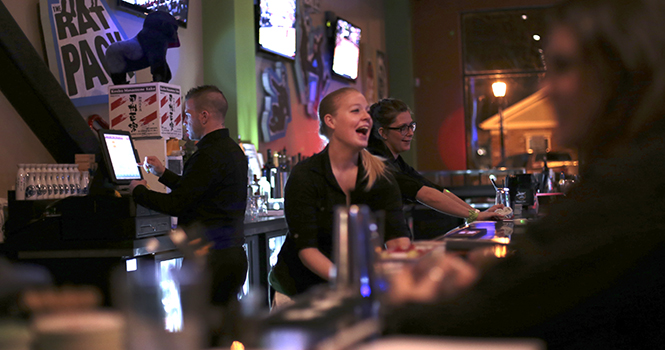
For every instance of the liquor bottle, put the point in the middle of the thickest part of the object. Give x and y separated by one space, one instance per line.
60 178
264 185
85 183
268 161
40 185
75 179
50 185
21 180
544 177
30 187
284 170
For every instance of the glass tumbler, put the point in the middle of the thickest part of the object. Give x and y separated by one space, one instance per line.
503 197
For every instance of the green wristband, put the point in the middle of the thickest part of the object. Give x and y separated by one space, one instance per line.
473 215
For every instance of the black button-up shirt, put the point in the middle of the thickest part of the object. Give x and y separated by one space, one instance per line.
211 192
311 194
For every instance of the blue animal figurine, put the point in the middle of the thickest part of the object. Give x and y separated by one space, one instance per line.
146 49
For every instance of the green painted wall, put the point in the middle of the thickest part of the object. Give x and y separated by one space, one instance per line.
400 60
229 56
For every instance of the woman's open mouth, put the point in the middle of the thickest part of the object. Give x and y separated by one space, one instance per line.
363 130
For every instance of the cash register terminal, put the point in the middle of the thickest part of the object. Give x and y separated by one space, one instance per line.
120 158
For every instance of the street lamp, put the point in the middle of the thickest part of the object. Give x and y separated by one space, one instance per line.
499 90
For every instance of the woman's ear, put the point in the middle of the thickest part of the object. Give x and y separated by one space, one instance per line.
382 133
330 121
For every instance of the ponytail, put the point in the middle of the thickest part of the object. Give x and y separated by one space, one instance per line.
374 168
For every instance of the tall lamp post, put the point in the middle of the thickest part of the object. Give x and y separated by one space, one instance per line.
499 90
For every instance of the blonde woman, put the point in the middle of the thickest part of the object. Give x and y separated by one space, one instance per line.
344 173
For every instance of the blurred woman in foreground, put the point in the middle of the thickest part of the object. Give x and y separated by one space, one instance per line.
589 275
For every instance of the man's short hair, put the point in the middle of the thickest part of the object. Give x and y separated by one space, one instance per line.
209 98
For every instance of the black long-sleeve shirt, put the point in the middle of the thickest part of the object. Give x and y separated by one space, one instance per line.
211 192
587 276
311 194
410 181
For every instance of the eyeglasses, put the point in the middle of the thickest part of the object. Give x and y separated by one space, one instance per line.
404 128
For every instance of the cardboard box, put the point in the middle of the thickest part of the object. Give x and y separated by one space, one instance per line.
146 110
85 161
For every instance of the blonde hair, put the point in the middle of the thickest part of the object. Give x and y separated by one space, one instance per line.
374 166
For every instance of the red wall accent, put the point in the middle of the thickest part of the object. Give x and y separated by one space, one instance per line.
451 141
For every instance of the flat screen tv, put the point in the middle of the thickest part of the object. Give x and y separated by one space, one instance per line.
346 52
119 156
177 8
277 27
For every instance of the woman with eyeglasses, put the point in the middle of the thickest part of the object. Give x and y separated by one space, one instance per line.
391 135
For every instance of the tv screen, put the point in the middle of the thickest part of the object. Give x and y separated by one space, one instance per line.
177 8
347 50
277 27
119 157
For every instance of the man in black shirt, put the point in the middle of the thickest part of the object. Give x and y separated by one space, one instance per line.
211 193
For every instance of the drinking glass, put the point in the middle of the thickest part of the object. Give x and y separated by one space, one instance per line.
503 197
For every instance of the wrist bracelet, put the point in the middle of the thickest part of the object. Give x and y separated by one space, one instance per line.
473 215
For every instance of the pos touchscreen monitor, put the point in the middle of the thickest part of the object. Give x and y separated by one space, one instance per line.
119 156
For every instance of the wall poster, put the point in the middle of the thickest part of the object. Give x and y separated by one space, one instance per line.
277 103
77 34
312 64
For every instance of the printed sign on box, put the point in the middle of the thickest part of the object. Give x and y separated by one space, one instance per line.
146 110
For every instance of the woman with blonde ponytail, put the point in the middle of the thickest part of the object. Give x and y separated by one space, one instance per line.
344 173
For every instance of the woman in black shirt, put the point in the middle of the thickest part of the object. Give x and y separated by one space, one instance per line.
391 135
344 173
589 275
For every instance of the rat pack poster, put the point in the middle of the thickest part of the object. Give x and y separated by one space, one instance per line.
77 34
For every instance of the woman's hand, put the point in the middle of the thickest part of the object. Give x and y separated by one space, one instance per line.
429 281
490 213
318 263
398 243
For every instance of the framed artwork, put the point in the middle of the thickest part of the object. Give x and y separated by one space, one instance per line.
381 76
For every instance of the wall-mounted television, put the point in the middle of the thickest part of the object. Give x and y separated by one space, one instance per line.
277 27
177 8
346 52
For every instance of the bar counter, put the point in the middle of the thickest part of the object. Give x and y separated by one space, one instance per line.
86 248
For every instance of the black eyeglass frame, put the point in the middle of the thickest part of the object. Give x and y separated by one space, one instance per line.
403 129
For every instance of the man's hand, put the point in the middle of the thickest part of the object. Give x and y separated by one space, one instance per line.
135 183
151 164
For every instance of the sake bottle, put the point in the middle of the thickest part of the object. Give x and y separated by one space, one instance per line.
21 182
